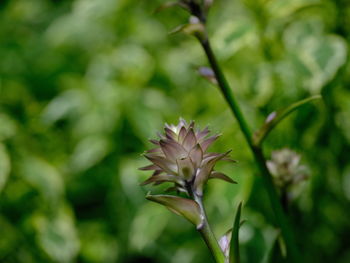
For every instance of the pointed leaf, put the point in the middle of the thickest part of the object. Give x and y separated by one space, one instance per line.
234 256
187 208
275 117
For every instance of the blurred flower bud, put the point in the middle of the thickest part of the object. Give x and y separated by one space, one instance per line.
286 169
181 158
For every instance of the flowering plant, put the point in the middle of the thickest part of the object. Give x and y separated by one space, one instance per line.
181 155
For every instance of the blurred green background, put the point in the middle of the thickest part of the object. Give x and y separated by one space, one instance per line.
85 83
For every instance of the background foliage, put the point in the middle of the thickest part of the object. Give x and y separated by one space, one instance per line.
84 84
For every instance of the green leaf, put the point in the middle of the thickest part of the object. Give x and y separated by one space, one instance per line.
57 235
234 244
43 176
187 208
275 117
270 245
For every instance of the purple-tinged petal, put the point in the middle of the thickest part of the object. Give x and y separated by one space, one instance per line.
202 134
182 123
189 140
149 167
161 136
214 156
172 149
158 171
155 142
205 171
182 134
191 125
163 163
187 208
161 179
185 168
154 150
207 142
218 175
196 155
170 134
228 159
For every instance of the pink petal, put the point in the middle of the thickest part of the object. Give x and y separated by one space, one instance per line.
170 134
149 167
155 142
201 134
182 123
189 140
172 149
214 156
191 126
206 143
196 155
154 150
160 179
182 134
205 171
163 163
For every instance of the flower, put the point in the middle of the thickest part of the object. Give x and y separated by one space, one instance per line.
181 157
286 169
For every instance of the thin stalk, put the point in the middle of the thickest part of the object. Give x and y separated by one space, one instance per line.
208 235
226 91
257 153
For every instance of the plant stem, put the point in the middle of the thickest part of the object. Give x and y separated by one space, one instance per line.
208 235
225 89
257 152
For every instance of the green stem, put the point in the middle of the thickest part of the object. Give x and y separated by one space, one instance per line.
257 152
226 91
208 235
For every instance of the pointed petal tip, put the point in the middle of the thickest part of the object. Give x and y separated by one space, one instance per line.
224 177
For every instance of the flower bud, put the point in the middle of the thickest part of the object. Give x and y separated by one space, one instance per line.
181 157
286 169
